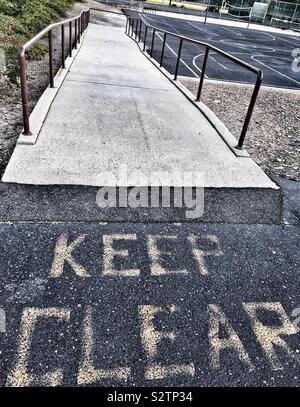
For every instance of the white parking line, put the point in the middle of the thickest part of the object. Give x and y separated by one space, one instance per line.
202 30
234 32
272 69
249 48
268 35
196 66
173 52
193 25
219 63
290 42
172 27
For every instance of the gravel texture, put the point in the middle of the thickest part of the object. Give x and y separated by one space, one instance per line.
273 137
10 120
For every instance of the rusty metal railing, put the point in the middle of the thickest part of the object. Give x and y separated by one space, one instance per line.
80 24
134 26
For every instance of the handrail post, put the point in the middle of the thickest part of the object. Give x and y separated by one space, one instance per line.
75 45
178 59
145 38
152 43
140 29
132 28
163 50
24 93
51 70
136 29
129 25
249 112
202 74
63 46
79 30
126 28
70 38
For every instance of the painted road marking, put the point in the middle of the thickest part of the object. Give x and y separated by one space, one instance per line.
218 319
171 49
255 58
63 253
151 338
87 373
149 305
202 29
268 337
65 247
296 44
181 60
249 45
19 376
196 66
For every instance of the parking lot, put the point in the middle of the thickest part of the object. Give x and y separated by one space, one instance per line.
270 52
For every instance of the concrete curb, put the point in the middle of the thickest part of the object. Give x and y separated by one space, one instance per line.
244 85
78 203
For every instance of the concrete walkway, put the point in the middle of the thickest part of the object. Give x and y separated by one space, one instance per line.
115 108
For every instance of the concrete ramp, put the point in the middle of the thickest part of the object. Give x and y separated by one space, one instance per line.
115 112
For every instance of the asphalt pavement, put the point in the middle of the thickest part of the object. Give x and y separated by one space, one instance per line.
86 304
145 302
271 52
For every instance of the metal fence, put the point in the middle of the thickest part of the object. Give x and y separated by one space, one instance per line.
284 15
282 9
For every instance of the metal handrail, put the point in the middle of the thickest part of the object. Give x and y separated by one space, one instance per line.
134 26
81 22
